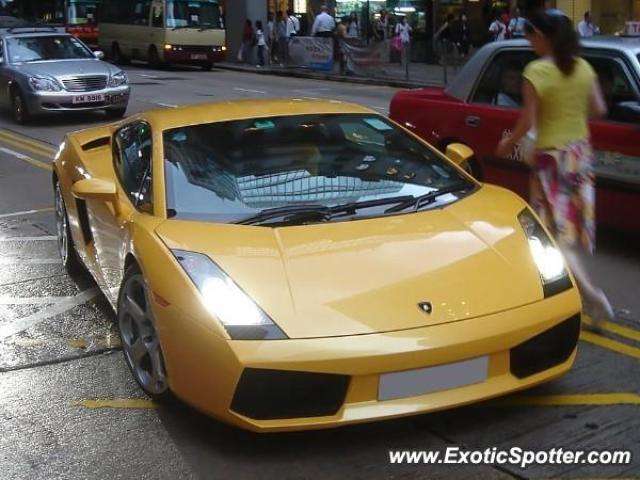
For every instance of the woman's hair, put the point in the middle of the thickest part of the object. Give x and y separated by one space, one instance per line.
259 24
558 28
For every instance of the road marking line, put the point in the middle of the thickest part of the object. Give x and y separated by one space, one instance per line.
567 400
147 75
616 328
609 344
7 300
249 90
167 105
30 261
44 238
25 146
25 158
24 213
22 324
120 403
47 147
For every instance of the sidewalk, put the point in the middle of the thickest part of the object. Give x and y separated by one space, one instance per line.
393 74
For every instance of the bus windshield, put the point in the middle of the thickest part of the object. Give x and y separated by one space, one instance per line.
82 12
193 14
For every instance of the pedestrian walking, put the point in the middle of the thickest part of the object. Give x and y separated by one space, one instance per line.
261 43
341 36
293 24
516 25
283 39
381 26
586 27
272 38
248 41
461 34
497 29
353 28
403 32
560 91
324 24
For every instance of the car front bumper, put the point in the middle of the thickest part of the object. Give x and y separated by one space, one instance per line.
44 102
211 373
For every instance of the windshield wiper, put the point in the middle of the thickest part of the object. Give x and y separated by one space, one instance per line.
427 198
320 212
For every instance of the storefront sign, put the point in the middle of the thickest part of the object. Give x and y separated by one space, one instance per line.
315 53
632 28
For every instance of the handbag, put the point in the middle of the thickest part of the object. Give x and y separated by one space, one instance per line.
396 42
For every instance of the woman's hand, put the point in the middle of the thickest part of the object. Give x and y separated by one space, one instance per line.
505 147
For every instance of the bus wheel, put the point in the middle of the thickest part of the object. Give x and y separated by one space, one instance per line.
154 58
207 66
116 55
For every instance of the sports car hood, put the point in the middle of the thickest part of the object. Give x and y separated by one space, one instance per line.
360 277
66 68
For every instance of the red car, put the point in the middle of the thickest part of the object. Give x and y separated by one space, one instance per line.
482 104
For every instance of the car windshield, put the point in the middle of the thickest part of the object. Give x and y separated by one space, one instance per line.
229 171
54 47
196 14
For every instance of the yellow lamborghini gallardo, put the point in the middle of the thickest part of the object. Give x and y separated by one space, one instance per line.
295 264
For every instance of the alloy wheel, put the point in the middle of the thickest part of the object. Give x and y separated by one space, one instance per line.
61 225
140 340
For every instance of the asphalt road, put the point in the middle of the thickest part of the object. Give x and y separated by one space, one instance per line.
70 409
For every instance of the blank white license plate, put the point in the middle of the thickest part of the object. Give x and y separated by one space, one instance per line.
198 56
412 383
89 98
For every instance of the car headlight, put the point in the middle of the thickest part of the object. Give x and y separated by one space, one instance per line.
44 84
238 313
547 257
118 79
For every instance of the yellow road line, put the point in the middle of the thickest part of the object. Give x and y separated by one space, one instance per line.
616 328
568 400
609 344
120 403
26 147
27 159
46 147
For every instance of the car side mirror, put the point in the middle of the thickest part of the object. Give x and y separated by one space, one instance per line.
94 189
99 54
459 154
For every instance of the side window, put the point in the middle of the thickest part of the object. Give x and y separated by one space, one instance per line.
1 51
616 87
501 83
132 162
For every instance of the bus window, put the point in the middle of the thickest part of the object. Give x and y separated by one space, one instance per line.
81 13
188 13
157 20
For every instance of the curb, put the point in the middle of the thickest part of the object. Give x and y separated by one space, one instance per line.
326 76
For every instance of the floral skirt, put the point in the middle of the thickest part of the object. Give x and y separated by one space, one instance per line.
563 193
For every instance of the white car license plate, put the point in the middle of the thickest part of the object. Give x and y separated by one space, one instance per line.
89 98
412 383
198 56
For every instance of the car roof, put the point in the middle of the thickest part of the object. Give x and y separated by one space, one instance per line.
6 33
461 86
169 118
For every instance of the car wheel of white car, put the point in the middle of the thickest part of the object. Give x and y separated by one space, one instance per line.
140 341
66 248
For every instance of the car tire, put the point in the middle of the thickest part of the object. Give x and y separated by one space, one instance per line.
154 58
19 109
116 113
139 337
116 55
207 66
66 247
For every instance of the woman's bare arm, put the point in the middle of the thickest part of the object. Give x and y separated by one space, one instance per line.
597 104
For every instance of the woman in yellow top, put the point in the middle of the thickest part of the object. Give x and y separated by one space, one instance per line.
560 93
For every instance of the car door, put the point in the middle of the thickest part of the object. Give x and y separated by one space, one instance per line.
5 77
615 141
132 152
490 114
